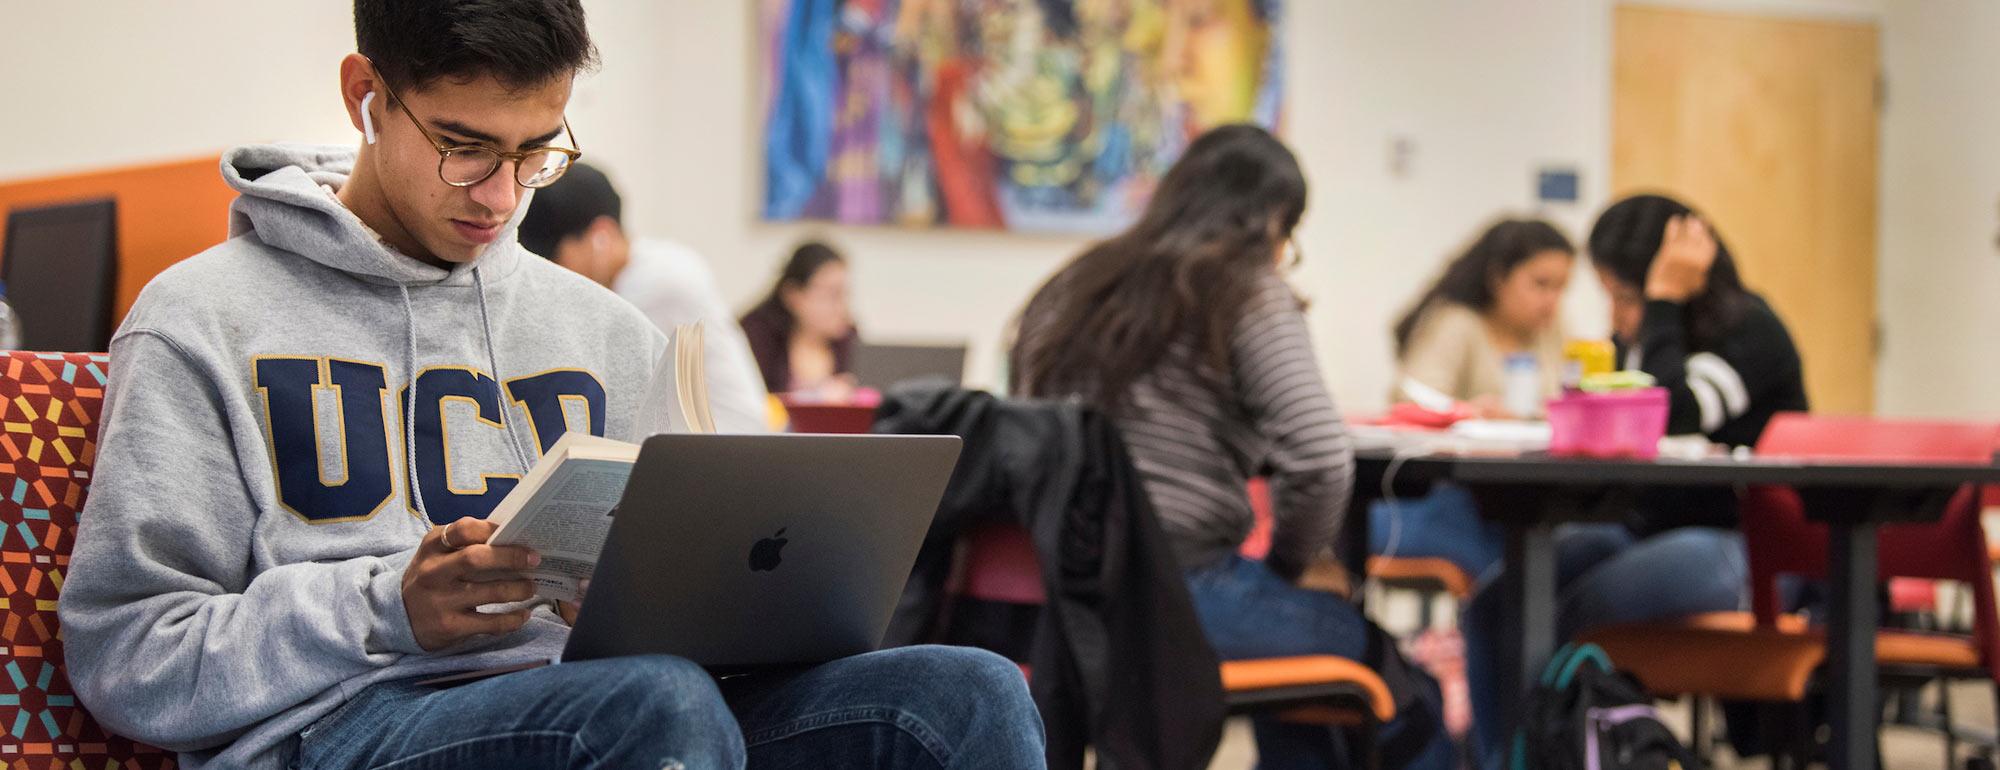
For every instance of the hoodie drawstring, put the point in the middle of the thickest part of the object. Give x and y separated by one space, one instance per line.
410 402
493 363
410 393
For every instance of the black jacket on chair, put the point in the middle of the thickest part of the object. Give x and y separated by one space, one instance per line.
1119 659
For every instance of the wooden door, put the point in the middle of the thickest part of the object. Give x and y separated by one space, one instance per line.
1767 125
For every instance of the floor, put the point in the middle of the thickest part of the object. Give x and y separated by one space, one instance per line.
1903 748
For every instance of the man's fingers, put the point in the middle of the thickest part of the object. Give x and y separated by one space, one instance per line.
493 624
457 535
469 531
497 558
476 594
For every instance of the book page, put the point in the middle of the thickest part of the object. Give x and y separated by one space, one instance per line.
565 515
677 399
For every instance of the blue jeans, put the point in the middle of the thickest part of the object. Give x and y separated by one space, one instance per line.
1248 611
1444 524
1605 576
913 707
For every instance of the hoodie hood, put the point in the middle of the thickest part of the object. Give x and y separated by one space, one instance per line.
284 203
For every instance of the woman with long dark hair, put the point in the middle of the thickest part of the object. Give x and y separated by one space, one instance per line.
1680 313
1182 329
1498 298
802 333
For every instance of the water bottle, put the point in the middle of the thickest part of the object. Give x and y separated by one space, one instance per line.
1521 387
10 323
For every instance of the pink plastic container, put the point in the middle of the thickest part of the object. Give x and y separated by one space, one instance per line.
1624 424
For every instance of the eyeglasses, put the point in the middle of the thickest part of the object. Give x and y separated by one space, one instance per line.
465 165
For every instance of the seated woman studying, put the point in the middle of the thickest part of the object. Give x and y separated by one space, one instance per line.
1499 298
1183 330
803 333
1681 314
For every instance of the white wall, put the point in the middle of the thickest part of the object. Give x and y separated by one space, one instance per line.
1485 93
1940 276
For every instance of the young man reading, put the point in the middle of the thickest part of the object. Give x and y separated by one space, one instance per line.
307 425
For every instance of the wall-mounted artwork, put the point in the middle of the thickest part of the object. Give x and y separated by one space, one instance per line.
1030 115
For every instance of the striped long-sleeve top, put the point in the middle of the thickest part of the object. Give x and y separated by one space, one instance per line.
1196 436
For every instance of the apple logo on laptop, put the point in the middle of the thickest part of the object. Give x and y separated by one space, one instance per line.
764 556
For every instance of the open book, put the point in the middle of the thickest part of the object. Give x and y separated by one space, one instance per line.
677 401
562 509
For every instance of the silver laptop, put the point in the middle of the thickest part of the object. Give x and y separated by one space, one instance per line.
880 366
738 552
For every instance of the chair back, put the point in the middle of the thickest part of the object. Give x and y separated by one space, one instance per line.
50 404
1781 540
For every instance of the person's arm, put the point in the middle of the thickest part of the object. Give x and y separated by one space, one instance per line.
169 639
1707 389
1312 462
1439 352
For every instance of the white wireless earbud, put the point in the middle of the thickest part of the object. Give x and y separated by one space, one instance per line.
367 121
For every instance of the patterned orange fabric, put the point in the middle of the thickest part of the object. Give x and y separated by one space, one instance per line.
49 408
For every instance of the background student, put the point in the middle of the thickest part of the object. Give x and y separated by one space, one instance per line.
577 222
803 331
1680 313
1497 299
1183 330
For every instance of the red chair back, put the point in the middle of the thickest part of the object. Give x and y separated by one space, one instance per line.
49 409
830 418
1001 566
1782 541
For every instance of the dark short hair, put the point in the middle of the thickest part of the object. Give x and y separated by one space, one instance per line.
522 43
567 208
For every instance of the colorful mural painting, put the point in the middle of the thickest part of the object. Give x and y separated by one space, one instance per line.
1033 115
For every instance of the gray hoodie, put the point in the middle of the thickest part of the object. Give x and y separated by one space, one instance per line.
239 563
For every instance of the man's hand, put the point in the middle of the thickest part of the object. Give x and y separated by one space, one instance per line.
1680 269
454 573
568 610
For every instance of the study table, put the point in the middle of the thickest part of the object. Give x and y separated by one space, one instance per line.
1529 493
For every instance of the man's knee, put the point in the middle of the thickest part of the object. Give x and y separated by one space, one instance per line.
975 689
967 668
659 706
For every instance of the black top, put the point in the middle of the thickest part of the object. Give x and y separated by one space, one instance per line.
1727 390
1730 389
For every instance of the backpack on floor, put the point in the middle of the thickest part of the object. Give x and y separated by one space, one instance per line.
1584 715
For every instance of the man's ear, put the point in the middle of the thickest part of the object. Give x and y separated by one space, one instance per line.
358 80
602 230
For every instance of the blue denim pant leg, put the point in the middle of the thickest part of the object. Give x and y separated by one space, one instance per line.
1605 576
642 712
1248 611
1443 524
902 709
